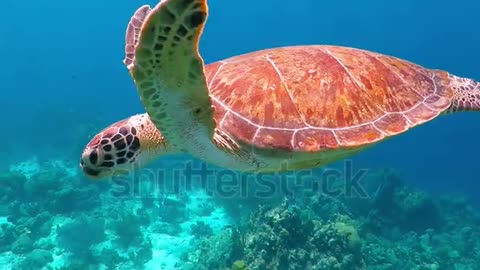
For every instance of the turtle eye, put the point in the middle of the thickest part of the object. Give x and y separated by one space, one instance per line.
93 157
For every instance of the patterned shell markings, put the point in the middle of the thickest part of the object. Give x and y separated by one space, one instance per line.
312 98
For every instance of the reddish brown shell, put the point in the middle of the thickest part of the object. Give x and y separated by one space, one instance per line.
310 98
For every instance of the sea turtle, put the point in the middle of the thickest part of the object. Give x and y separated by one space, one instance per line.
272 110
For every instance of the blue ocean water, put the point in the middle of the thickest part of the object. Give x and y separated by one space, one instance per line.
63 78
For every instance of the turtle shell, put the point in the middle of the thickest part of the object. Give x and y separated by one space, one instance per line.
309 98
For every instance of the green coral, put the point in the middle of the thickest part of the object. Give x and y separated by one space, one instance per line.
239 265
350 233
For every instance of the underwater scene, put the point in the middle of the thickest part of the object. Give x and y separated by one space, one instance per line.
240 135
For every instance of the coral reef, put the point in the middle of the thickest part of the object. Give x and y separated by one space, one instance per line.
80 244
51 218
398 227
285 237
36 259
127 229
200 229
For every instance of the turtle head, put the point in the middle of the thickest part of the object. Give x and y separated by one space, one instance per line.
122 147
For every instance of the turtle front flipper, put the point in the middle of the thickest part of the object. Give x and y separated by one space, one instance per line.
169 73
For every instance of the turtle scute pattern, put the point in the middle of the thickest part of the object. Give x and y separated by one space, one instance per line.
315 97
116 145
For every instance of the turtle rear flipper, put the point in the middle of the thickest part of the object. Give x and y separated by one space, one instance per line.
133 32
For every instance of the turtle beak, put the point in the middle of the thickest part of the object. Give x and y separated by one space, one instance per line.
89 162
90 173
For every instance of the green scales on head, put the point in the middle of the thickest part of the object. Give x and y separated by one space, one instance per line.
272 110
